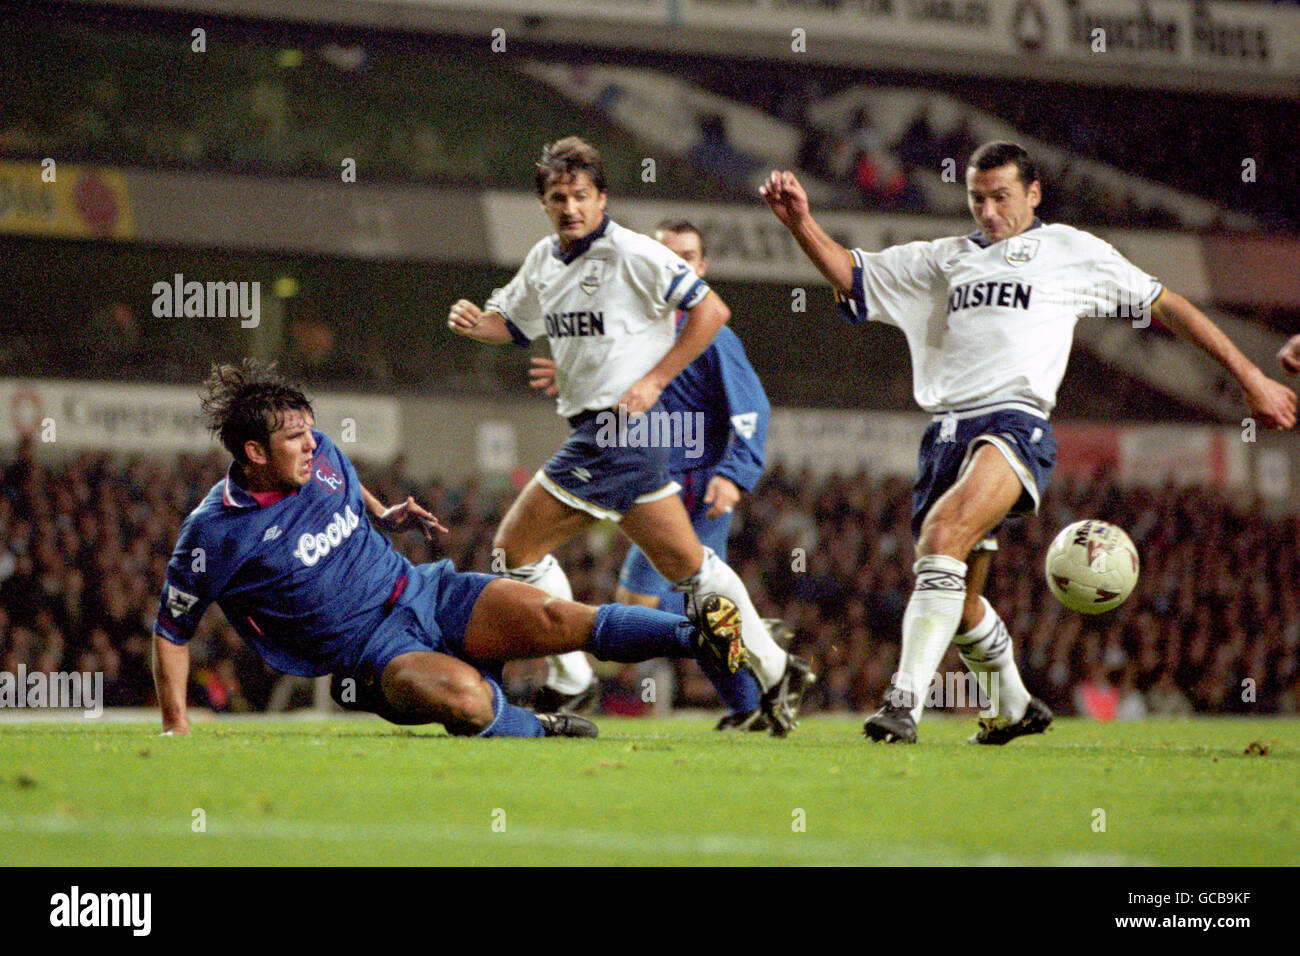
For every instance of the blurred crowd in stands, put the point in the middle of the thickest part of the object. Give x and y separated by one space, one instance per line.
269 101
1095 124
1214 625
284 104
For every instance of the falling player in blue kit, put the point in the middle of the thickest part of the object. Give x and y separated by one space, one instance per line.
285 545
606 299
722 390
989 319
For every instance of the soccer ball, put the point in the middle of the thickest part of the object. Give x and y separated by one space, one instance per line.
1092 566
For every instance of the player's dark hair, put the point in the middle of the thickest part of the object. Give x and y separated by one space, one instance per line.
995 154
248 401
680 226
568 157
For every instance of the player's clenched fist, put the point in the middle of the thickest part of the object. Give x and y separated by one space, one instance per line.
641 397
721 496
464 317
786 196
1271 402
542 375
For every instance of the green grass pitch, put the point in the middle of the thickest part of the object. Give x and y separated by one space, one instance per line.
670 792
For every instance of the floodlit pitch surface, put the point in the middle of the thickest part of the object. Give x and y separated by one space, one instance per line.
358 791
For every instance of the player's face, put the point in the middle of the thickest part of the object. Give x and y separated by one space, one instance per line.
688 246
1001 204
574 205
286 464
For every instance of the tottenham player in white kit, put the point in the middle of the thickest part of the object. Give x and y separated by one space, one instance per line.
606 298
989 319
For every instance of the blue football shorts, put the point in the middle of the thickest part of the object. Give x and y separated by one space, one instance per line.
431 613
952 438
604 471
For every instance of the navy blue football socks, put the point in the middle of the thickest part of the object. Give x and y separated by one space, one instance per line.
739 691
674 602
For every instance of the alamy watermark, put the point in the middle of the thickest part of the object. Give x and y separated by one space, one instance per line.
652 429
1107 299
964 689
132 911
74 690
208 300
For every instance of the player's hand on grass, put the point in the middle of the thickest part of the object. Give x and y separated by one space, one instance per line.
785 196
542 375
641 397
410 515
1272 403
464 317
1289 356
721 496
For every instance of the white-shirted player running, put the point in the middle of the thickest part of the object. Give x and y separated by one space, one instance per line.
989 319
606 298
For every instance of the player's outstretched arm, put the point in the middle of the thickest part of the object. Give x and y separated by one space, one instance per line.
1289 356
786 198
1271 402
171 677
466 318
702 323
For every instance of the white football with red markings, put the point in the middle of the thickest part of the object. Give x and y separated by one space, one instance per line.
1092 566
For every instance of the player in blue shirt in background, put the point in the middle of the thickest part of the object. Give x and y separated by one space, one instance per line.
722 388
284 546
606 298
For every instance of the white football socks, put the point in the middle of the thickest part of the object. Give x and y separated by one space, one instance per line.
986 650
932 617
767 660
569 673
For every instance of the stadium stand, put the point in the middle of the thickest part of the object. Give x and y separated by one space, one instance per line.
260 103
264 104
1087 125
866 146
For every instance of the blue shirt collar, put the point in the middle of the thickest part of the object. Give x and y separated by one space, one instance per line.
232 494
977 237
582 245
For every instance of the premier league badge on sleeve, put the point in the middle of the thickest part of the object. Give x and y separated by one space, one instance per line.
179 602
1020 250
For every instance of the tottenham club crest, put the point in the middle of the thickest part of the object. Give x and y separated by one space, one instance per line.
593 273
1021 250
